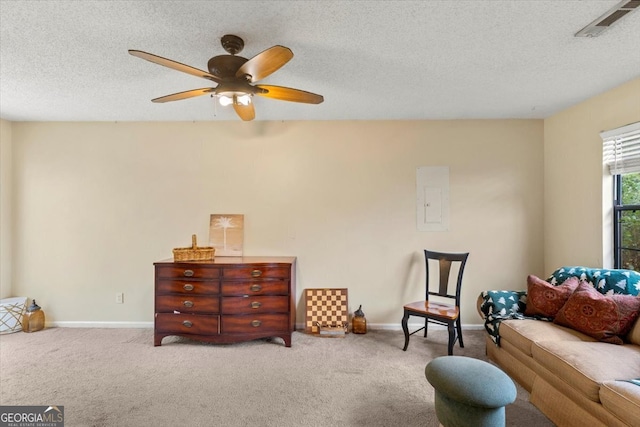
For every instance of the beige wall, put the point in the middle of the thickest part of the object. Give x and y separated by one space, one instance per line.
97 203
577 193
94 204
5 209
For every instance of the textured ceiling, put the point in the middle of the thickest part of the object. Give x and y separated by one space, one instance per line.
371 60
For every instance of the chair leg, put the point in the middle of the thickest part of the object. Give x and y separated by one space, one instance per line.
452 337
459 328
405 328
426 324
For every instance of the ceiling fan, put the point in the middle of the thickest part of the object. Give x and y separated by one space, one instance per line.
234 75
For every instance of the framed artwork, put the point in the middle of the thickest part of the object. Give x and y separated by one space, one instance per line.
226 234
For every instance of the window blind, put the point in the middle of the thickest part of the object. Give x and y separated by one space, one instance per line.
621 149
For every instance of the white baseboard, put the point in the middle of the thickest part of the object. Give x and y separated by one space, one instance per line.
122 325
299 326
412 327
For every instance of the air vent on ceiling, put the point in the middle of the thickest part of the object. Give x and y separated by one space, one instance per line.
614 14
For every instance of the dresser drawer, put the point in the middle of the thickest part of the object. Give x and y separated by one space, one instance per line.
177 271
187 304
168 286
255 304
259 323
275 287
187 324
257 272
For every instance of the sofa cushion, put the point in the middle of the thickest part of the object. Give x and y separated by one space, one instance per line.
605 318
585 365
523 333
606 281
545 299
623 399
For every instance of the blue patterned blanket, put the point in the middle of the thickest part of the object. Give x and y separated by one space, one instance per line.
502 305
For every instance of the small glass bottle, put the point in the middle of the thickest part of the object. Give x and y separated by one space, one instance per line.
33 319
359 322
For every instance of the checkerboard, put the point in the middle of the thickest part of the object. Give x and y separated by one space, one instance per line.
325 306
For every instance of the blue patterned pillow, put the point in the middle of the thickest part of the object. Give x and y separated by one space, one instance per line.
500 305
606 281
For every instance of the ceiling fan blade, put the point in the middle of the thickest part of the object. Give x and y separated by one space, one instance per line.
289 94
246 112
174 65
265 63
184 95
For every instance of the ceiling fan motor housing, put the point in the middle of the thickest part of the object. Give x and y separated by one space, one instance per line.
225 66
230 88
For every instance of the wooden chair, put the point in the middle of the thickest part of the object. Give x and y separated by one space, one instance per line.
436 312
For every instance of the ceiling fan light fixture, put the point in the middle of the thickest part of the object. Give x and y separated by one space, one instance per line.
243 99
225 100
238 99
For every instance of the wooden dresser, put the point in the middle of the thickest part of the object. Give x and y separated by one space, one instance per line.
229 299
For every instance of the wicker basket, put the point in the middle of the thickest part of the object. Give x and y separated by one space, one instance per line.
194 253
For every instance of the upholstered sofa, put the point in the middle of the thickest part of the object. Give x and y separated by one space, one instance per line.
577 374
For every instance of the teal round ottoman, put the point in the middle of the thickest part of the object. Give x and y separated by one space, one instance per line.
469 392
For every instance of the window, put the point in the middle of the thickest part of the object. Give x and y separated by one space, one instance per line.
626 221
621 152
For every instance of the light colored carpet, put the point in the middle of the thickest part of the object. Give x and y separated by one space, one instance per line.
116 377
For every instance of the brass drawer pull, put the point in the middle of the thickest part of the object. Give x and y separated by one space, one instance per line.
187 303
256 273
256 304
255 288
187 324
256 323
188 287
188 273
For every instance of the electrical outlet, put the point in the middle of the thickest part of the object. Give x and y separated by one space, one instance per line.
120 298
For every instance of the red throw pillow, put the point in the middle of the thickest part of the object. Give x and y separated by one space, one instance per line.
544 299
605 318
